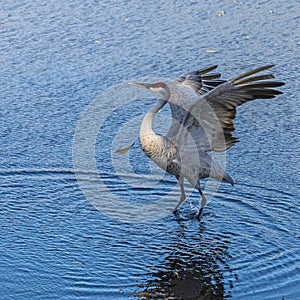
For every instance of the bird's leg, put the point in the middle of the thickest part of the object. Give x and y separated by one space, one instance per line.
182 196
203 201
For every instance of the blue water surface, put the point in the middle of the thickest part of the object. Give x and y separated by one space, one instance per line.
56 57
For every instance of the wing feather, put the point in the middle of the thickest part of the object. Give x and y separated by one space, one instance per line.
210 120
200 81
186 90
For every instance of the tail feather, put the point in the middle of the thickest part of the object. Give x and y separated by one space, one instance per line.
228 179
217 172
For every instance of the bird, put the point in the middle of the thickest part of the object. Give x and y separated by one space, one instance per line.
203 108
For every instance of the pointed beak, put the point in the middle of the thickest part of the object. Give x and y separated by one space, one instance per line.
142 85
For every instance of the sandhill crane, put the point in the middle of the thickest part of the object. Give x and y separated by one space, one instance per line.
203 109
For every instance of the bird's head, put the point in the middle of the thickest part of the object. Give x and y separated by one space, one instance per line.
158 88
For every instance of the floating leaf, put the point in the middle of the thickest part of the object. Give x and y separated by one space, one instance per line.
76 261
211 51
124 150
221 13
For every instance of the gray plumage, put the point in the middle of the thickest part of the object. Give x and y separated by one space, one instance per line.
203 110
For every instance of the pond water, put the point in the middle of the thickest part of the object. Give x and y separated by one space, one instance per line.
62 60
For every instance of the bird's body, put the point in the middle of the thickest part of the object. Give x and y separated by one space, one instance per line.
203 109
161 150
166 154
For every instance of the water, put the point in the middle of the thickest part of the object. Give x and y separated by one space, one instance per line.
55 59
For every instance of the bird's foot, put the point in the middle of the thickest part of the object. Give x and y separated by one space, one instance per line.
178 216
199 213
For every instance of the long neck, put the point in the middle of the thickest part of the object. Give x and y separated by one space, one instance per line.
146 127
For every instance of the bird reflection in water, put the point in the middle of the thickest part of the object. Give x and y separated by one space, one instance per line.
193 269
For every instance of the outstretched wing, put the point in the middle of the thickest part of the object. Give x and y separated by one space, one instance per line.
186 89
209 122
